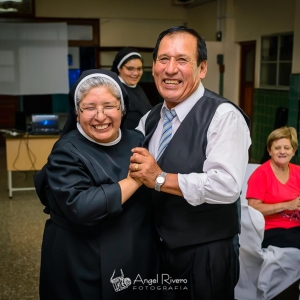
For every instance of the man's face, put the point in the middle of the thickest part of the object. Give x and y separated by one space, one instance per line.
175 70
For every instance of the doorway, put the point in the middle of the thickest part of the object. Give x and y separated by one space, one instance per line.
247 72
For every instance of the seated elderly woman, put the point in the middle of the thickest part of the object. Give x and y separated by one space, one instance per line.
274 190
99 236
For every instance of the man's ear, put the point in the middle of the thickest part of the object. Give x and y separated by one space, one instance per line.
153 63
203 69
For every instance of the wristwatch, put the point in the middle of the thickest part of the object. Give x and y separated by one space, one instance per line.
160 180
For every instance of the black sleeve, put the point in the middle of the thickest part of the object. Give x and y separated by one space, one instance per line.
77 192
40 183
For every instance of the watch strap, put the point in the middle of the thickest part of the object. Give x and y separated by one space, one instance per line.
158 185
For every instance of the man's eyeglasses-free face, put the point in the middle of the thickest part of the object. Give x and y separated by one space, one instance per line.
91 112
132 69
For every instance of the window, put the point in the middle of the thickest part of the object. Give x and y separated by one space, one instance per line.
276 60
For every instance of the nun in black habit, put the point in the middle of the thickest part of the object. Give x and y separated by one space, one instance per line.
99 237
128 64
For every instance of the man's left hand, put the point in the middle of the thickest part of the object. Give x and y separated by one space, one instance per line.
144 167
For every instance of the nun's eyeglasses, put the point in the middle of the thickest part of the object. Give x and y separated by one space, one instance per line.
91 112
132 69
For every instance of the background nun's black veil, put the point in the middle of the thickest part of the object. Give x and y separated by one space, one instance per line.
40 178
123 52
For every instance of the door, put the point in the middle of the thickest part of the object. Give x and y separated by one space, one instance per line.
247 77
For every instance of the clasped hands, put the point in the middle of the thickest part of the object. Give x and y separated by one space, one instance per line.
143 167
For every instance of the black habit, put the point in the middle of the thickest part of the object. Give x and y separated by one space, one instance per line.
138 106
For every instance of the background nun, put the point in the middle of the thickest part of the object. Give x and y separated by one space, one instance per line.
128 64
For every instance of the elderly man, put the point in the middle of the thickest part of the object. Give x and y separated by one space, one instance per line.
197 154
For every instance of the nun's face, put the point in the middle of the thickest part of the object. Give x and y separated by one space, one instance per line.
132 71
100 115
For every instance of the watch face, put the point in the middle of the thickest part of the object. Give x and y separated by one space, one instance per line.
160 179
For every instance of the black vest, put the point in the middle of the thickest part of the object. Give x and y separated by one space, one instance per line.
179 223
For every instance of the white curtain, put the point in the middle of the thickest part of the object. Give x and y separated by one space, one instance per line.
33 59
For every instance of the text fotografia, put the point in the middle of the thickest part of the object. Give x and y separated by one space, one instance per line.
162 282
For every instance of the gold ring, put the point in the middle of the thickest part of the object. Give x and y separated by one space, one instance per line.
136 167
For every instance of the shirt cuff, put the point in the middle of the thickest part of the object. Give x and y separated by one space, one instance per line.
192 187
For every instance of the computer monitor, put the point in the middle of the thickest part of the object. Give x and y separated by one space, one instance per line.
44 124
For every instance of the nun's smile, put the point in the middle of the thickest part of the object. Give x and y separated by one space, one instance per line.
131 72
100 115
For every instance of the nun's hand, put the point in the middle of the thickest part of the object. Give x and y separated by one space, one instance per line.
135 180
144 167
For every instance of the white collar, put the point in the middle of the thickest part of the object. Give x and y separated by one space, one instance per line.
116 141
131 86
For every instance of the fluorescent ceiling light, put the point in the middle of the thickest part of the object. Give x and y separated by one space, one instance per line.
19 1
8 10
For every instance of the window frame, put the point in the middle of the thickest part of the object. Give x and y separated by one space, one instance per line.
278 61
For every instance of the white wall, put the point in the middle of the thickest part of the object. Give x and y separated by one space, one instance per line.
203 19
130 22
138 33
231 54
118 9
262 17
211 81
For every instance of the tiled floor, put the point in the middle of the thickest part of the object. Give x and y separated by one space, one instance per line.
21 227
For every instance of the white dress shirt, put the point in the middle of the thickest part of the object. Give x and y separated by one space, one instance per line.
228 141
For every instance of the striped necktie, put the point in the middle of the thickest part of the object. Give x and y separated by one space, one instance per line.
166 133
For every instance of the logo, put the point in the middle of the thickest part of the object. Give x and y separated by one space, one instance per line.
120 283
160 282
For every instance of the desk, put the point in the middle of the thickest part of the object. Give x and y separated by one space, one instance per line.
27 153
